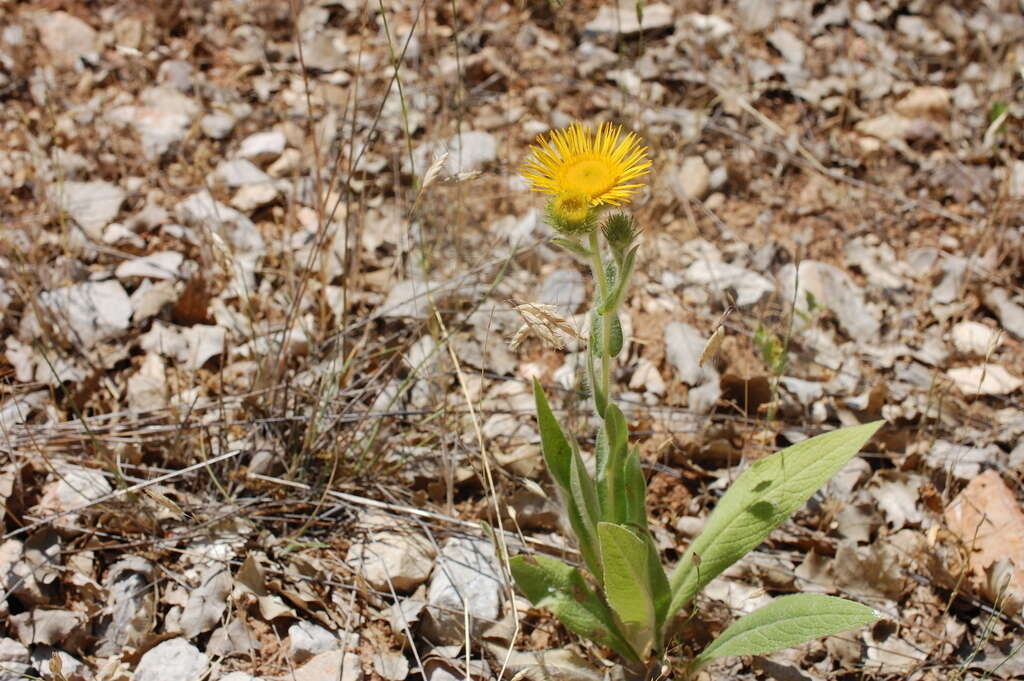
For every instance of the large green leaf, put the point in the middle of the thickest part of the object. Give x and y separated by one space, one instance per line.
556 447
584 513
759 501
635 487
627 585
550 583
787 621
611 491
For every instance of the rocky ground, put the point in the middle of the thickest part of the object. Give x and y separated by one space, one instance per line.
259 413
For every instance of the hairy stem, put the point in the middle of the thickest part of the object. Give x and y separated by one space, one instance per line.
606 319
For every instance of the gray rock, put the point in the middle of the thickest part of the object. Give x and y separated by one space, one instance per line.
159 265
410 298
756 15
1016 188
236 229
172 660
253 196
391 665
622 19
467 152
71 668
306 640
750 287
467 578
1010 314
393 559
806 392
177 74
333 664
239 172
90 312
832 288
985 379
974 338
694 177
240 676
16 671
129 607
190 346
217 125
157 129
162 120
67 38
206 602
13 651
954 269
683 347
92 205
962 461
262 147
47 627
565 289
701 399
789 46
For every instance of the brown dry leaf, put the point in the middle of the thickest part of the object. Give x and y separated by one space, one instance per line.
986 517
249 580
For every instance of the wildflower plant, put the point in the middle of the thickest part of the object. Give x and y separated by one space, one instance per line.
624 599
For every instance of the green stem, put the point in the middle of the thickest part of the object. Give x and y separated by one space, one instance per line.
606 318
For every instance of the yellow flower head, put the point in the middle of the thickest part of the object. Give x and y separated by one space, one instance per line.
598 165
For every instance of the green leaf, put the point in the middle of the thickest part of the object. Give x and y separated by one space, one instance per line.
612 493
594 343
550 583
615 343
600 398
612 279
627 583
573 246
759 501
554 444
635 486
787 621
584 512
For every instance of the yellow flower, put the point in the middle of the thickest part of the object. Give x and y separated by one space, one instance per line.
578 161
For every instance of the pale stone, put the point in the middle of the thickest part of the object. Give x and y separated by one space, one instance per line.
622 19
173 660
694 177
333 664
254 196
985 379
92 205
924 101
262 147
147 388
89 313
159 265
67 38
974 338
393 559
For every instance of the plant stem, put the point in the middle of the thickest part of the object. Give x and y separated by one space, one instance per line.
606 318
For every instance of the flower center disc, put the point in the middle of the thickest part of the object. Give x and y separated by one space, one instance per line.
590 176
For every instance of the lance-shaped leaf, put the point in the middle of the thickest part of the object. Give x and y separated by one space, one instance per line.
627 583
550 583
584 513
611 460
786 621
635 487
759 501
555 446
